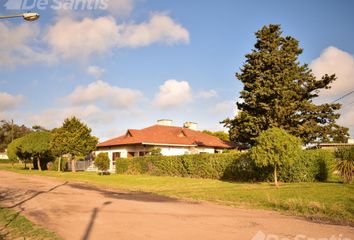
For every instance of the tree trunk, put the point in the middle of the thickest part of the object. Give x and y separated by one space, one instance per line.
39 164
73 165
275 176
59 165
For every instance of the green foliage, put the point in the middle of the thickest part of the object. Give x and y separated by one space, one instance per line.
8 130
156 151
345 163
37 145
63 164
279 91
13 150
102 161
219 134
312 165
33 146
73 138
197 166
275 148
15 226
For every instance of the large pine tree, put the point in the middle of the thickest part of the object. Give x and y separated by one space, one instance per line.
279 91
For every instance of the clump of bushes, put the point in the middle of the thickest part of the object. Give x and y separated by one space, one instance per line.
345 163
53 166
102 162
312 165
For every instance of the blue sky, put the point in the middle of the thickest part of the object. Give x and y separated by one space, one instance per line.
138 60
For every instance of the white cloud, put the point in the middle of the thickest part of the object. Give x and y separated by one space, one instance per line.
101 91
173 93
227 107
207 94
54 117
95 71
333 60
79 39
17 44
159 29
8 101
69 38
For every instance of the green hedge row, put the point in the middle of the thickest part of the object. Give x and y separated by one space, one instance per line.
312 165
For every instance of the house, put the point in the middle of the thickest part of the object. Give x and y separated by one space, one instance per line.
172 140
3 156
335 146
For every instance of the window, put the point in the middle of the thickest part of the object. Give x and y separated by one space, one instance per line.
115 157
131 154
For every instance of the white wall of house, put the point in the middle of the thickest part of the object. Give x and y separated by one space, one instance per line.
3 156
134 150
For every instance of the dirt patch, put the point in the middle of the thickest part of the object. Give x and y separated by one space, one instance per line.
80 211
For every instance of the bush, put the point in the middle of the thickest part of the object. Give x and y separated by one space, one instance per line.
275 148
345 163
312 165
102 162
63 165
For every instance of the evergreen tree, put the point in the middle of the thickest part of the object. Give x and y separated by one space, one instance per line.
279 91
73 138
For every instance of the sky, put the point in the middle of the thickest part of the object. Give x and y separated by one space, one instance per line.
119 64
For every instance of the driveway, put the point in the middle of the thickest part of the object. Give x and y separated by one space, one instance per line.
79 211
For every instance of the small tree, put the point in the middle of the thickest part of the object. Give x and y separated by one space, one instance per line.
73 138
345 163
37 145
102 162
274 148
13 151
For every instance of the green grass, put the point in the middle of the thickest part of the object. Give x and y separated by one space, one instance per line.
14 226
328 202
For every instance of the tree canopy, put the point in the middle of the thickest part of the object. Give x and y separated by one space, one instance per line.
220 134
10 131
275 147
102 162
37 145
33 146
74 138
279 92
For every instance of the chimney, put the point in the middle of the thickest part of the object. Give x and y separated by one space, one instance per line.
191 125
164 122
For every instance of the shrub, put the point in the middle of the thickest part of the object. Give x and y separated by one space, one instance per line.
275 148
63 165
102 162
345 163
212 166
312 165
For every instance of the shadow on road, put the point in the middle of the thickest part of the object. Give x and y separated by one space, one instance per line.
36 195
132 196
92 220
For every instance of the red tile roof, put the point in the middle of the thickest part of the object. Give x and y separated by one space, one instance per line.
168 135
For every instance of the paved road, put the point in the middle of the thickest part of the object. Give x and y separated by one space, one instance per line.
79 211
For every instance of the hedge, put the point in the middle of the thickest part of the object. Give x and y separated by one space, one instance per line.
313 165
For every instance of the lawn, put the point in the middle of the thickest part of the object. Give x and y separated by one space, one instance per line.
14 226
325 202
